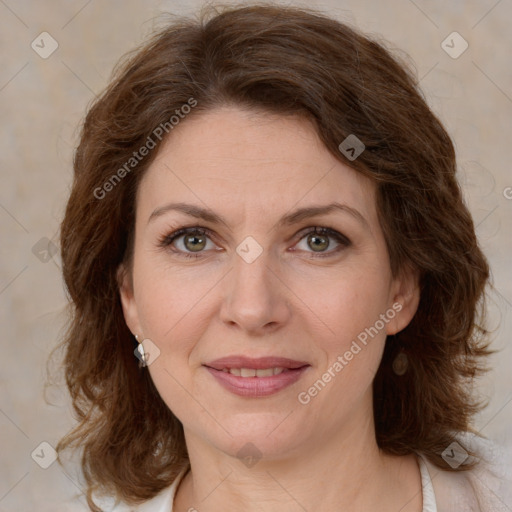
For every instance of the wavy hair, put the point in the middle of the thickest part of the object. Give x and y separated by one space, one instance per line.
286 61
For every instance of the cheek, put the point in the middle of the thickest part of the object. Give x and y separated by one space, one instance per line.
345 305
176 309
352 338
168 299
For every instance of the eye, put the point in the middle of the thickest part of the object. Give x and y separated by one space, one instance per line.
189 242
319 239
193 242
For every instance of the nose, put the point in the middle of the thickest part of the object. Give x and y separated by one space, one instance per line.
255 297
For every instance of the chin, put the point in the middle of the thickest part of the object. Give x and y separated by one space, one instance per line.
259 435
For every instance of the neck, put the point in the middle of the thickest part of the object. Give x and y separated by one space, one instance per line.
343 470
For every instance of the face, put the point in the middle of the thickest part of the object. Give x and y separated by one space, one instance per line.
260 272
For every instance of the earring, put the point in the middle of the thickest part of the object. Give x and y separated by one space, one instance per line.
400 363
140 350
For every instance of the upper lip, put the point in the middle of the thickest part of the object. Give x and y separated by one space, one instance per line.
255 363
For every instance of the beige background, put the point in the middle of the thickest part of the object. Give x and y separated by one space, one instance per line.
42 102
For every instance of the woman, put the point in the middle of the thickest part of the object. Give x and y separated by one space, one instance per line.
276 285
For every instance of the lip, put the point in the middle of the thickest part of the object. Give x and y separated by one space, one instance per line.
256 386
258 363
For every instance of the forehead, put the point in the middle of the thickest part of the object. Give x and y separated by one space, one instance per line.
229 157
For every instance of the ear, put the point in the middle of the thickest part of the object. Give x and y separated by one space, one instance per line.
405 299
130 311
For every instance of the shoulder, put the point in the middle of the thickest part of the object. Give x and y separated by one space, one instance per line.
485 488
162 502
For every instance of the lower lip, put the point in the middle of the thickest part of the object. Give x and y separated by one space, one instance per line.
257 386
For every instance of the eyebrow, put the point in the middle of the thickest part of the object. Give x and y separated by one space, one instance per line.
289 219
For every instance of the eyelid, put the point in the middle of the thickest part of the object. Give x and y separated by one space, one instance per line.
176 233
323 230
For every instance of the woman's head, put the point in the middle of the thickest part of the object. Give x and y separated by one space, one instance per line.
251 115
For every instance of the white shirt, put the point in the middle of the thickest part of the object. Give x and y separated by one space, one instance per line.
486 488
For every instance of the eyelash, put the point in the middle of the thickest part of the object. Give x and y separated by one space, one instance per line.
167 240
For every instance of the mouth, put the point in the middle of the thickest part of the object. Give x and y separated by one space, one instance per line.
258 377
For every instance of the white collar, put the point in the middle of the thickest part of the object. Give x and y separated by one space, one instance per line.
429 497
163 502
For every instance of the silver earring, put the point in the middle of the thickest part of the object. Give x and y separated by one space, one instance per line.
140 350
400 363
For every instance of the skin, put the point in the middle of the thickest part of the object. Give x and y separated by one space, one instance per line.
252 168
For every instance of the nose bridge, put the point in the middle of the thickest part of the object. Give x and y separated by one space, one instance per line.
252 273
253 299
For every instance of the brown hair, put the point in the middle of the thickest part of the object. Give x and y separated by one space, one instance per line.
286 61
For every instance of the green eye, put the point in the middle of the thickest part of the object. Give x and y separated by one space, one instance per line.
318 240
193 241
